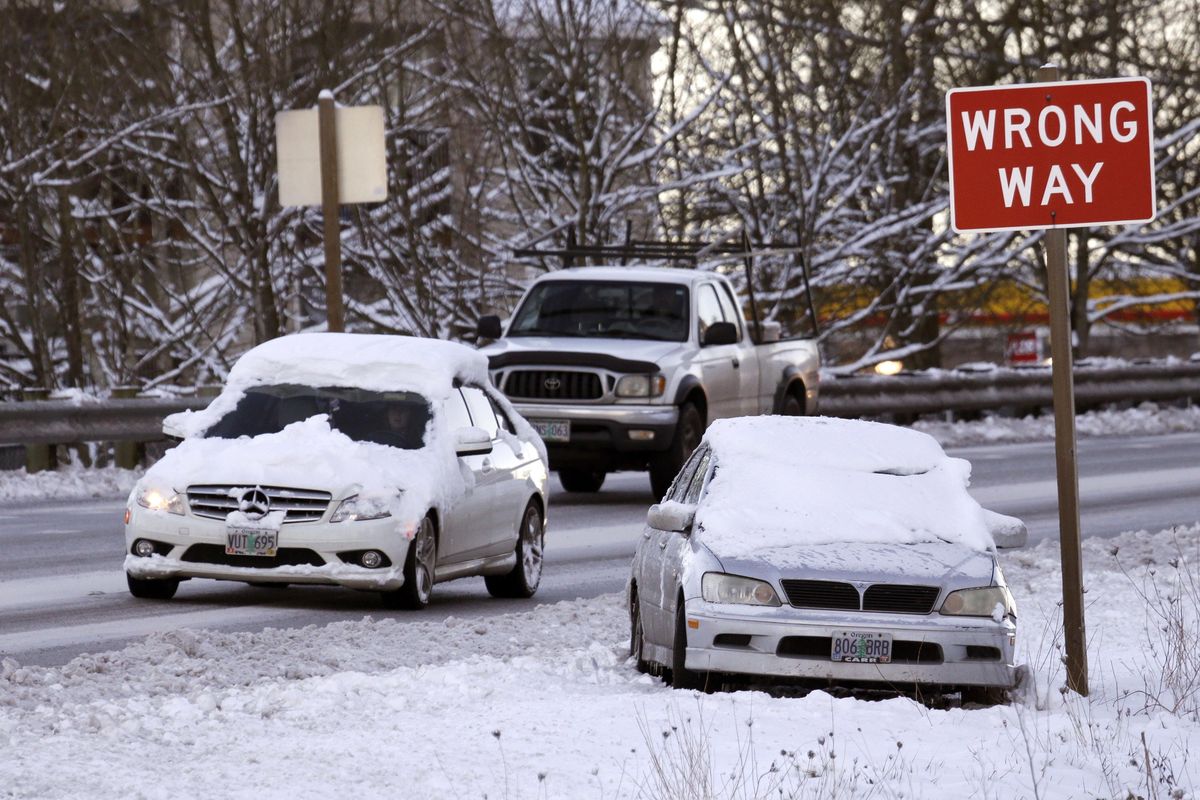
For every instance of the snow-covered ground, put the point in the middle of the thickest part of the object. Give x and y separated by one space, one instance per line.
76 482
545 704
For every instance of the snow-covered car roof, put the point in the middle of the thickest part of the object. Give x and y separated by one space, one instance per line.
787 481
688 277
367 361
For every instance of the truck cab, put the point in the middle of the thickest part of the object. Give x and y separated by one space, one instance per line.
623 368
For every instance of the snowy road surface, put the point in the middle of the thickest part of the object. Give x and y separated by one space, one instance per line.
62 592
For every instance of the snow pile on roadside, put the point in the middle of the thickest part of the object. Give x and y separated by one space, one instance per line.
1147 419
72 482
545 704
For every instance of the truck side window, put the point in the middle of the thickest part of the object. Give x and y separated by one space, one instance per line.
481 410
708 308
732 312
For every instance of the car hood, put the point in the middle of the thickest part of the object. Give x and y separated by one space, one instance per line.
630 349
312 455
941 563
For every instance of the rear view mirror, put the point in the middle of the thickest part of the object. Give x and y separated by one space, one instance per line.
472 442
1007 532
671 516
488 327
720 333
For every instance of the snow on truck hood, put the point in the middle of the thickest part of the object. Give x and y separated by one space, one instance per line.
632 349
313 455
783 483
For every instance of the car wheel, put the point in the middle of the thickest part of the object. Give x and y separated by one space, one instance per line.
581 480
637 636
526 574
418 570
151 588
681 676
688 432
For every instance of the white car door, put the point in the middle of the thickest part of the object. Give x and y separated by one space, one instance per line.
677 544
653 592
464 518
496 485
718 363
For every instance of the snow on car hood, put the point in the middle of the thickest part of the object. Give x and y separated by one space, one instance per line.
940 562
632 349
792 482
313 455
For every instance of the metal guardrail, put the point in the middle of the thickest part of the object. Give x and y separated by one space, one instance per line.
38 424
927 393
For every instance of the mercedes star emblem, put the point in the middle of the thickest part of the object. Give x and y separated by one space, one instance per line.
254 503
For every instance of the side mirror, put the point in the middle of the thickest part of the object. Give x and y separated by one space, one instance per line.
472 442
671 516
172 431
1009 533
488 327
720 333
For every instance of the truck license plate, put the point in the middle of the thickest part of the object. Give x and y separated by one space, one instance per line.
862 647
251 542
552 430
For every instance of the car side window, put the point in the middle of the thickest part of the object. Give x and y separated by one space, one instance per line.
708 308
729 307
679 488
455 411
697 482
480 407
502 418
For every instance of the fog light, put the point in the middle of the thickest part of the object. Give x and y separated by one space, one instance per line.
143 548
641 436
371 559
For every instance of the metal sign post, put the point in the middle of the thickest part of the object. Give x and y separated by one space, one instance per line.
327 131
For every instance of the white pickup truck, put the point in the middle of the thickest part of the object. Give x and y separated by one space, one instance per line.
622 368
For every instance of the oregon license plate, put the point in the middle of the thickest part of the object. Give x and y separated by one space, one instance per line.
251 542
552 430
862 647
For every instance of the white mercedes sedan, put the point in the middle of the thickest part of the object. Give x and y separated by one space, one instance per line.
825 552
383 463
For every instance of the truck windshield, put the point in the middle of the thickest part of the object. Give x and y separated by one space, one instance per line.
397 419
613 309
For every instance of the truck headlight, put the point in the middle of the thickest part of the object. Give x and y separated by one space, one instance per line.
717 587
992 601
641 386
357 507
157 499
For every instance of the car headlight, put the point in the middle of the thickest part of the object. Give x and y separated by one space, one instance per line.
717 587
641 386
357 507
157 499
979 603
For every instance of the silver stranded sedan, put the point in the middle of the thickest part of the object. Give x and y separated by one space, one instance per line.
825 551
384 463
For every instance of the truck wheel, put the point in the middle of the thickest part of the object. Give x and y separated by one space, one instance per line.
793 406
581 480
688 431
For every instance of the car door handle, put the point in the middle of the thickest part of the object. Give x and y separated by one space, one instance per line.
736 363
486 467
645 534
662 545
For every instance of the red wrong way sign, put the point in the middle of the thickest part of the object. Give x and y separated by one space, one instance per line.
1044 155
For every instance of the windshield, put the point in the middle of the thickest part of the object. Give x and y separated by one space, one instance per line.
612 309
397 419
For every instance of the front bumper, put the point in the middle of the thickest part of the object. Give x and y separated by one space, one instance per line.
323 540
774 642
600 433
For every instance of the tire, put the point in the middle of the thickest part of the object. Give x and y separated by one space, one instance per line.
688 432
792 406
152 589
581 480
526 574
984 696
637 637
681 676
418 571
268 585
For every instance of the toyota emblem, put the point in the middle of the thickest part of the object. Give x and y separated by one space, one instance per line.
254 503
552 384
